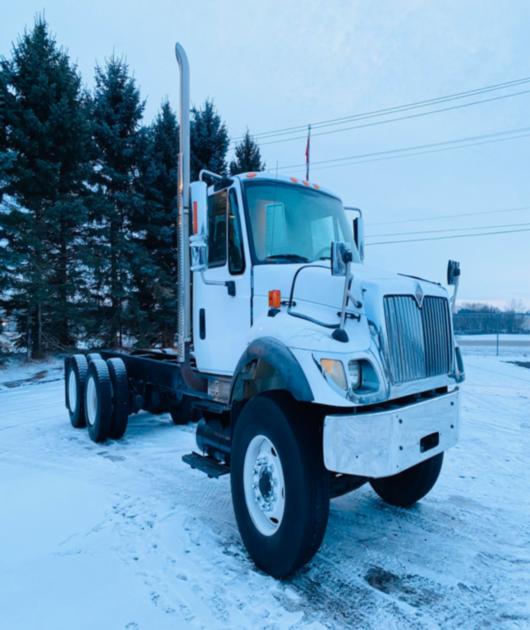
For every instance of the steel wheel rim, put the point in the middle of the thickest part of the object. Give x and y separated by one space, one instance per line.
72 391
91 400
264 485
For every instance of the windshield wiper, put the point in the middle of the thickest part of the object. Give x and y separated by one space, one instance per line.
288 257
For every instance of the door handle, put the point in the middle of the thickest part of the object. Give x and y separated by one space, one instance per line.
229 284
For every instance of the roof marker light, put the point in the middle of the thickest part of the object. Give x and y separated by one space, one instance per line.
294 180
305 183
316 186
251 175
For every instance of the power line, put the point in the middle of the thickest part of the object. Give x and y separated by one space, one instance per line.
399 118
390 110
420 149
405 155
476 227
441 217
442 238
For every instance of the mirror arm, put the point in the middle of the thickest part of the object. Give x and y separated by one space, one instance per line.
206 173
340 334
453 297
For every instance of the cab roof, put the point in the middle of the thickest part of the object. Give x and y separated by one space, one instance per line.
265 175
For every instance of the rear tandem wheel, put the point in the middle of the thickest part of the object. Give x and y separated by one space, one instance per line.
98 401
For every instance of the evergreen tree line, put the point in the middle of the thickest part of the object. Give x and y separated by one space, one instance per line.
88 246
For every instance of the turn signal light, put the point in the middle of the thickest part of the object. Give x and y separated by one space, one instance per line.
275 298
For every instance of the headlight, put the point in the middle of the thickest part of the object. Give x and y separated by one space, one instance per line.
354 371
335 371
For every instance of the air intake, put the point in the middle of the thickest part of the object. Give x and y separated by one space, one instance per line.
419 339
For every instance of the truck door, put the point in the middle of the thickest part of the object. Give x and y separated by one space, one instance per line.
221 294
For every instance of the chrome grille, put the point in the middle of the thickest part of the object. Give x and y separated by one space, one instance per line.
419 339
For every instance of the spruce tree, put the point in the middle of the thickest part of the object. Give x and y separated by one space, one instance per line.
116 115
44 161
248 156
209 141
155 227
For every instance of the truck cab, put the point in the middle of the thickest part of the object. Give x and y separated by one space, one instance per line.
262 252
257 232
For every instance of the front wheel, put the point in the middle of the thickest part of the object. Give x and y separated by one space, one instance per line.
411 485
279 485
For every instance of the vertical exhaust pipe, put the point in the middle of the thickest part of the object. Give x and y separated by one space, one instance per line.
183 207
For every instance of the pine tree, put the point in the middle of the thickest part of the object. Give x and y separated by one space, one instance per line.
248 156
209 141
155 269
4 153
44 162
117 112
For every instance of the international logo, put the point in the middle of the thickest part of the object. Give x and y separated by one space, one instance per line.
419 295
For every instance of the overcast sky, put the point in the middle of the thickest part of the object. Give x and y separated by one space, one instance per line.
271 65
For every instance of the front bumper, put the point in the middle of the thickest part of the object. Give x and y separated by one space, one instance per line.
384 443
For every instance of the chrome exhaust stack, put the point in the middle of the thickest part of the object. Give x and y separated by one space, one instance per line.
183 208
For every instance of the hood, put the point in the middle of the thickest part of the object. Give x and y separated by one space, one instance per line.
316 287
318 294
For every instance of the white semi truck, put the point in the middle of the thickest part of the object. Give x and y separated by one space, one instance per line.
308 372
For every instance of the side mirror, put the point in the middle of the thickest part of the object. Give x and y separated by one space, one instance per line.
199 208
358 234
453 272
341 255
355 215
199 252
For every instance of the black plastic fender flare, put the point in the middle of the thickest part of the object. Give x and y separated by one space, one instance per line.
270 353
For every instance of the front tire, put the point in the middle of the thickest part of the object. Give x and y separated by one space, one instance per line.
411 485
279 485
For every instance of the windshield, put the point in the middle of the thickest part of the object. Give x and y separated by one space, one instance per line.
294 224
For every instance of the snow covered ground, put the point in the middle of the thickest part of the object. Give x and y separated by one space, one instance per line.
504 347
124 535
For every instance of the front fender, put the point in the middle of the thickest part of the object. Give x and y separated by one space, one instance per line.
266 365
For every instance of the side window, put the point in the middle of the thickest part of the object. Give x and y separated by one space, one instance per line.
236 256
217 229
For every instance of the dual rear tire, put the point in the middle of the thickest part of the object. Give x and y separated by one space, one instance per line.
97 395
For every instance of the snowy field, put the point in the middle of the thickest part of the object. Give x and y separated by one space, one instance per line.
124 535
504 346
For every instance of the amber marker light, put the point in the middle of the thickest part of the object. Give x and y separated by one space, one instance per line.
275 298
195 218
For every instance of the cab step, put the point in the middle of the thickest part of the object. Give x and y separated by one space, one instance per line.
208 465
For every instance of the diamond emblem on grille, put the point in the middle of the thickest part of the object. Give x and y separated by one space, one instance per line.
419 295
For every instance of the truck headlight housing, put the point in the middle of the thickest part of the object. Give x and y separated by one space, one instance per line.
334 370
355 373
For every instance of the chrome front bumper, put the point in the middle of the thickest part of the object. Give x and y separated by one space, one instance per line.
384 443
